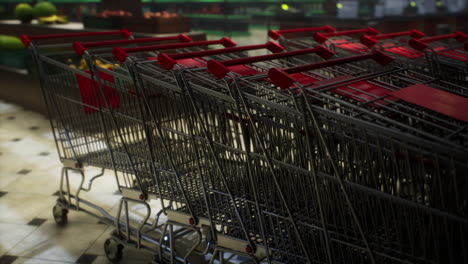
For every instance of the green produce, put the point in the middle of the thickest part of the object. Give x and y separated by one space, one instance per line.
44 9
10 43
24 12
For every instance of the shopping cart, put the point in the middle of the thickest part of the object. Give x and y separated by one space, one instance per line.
282 237
217 205
338 41
344 41
93 121
273 124
390 40
79 147
431 62
174 178
447 55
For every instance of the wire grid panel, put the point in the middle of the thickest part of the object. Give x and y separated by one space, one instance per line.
362 144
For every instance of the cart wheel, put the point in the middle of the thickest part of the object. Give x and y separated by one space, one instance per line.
113 250
156 260
60 215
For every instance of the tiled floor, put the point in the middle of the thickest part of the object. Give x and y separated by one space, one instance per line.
29 179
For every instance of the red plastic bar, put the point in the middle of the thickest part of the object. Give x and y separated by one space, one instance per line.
27 39
370 41
421 44
322 37
276 34
80 47
219 68
282 78
436 100
122 53
169 60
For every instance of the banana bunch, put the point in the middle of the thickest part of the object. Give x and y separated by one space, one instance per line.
104 65
53 19
82 65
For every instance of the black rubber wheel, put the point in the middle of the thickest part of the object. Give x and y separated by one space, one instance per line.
113 250
156 260
60 215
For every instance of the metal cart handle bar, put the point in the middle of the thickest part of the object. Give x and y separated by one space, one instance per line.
27 39
421 44
282 78
219 68
80 47
169 60
276 34
370 41
122 53
322 37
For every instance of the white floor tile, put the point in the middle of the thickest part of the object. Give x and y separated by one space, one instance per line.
6 108
35 182
12 234
20 208
97 247
56 243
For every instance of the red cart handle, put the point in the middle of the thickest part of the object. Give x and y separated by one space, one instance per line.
219 68
370 41
81 47
27 39
122 53
322 37
421 44
276 34
282 78
169 60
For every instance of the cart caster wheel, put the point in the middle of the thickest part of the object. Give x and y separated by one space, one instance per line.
113 250
156 260
60 215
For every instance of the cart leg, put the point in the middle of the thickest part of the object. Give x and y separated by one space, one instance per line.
169 237
60 210
213 257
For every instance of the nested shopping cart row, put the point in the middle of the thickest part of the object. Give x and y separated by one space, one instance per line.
444 56
277 143
283 158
